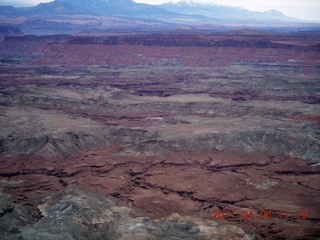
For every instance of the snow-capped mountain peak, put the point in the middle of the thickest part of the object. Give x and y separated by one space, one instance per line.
192 2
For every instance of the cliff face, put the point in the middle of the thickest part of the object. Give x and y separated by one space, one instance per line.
9 31
192 41
166 49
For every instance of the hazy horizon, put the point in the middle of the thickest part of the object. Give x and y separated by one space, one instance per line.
305 10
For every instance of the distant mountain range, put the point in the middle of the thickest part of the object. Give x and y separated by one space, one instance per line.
83 16
223 12
129 8
117 7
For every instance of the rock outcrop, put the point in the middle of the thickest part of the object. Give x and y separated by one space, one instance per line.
78 214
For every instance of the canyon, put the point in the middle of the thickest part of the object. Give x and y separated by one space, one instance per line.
157 132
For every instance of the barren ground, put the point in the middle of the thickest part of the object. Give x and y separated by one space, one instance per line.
167 130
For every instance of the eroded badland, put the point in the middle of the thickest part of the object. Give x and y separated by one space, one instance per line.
159 131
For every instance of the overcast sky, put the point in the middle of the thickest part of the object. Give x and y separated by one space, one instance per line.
304 9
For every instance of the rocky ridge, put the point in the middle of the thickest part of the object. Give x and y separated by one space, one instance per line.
78 214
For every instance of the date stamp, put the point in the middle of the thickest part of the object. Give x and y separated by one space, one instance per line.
263 214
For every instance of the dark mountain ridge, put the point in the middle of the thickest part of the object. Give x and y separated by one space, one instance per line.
44 9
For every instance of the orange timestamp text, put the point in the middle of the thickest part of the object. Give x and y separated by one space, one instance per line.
263 214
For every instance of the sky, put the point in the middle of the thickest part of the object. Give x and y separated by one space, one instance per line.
303 9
